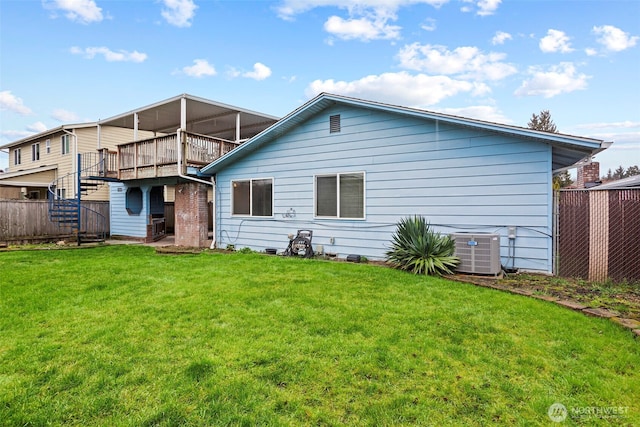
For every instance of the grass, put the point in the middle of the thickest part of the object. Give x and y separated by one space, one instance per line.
122 336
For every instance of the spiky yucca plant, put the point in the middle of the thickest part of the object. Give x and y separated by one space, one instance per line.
420 250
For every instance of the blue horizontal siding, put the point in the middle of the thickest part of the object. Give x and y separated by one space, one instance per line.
123 224
459 178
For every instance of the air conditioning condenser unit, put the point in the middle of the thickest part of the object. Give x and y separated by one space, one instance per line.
479 253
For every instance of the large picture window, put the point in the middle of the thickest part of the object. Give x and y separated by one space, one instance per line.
340 195
252 197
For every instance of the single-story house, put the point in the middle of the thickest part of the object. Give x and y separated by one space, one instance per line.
349 169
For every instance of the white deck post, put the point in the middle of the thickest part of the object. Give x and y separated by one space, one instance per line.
238 127
135 126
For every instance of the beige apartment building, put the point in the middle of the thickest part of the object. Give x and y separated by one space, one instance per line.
38 161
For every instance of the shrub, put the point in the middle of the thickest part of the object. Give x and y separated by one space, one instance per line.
420 250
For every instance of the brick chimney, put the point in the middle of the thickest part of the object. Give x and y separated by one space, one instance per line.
588 175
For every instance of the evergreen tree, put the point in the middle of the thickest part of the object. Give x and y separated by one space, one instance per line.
632 170
619 173
542 122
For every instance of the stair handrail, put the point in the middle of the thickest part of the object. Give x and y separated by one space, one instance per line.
57 198
100 223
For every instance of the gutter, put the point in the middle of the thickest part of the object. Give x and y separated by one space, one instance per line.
212 183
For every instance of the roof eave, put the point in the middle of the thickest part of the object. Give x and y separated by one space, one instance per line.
51 131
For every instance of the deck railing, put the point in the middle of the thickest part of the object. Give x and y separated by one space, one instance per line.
101 164
158 156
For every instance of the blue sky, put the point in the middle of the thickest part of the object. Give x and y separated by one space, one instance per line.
70 61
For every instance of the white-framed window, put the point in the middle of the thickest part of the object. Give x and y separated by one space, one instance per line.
252 197
65 141
339 195
35 152
48 146
17 156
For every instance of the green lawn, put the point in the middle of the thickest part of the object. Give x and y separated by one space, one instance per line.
119 335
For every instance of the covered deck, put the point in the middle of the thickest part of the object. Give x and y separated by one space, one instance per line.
186 129
172 140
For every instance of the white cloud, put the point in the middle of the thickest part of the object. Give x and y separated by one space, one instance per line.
562 78
64 116
37 127
481 112
614 39
289 8
200 68
500 38
9 101
488 7
465 61
613 125
15 134
362 28
555 41
367 19
429 24
109 55
260 72
590 51
179 12
484 7
82 11
401 88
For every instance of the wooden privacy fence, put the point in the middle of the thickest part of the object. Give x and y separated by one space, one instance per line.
599 234
24 220
28 220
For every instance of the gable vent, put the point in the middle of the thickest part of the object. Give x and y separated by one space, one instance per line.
334 123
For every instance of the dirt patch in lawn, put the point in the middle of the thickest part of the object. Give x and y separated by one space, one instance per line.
621 299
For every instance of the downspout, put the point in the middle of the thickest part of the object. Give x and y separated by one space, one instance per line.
212 183
75 166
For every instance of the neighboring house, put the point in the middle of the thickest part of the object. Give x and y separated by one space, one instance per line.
349 169
37 161
620 184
